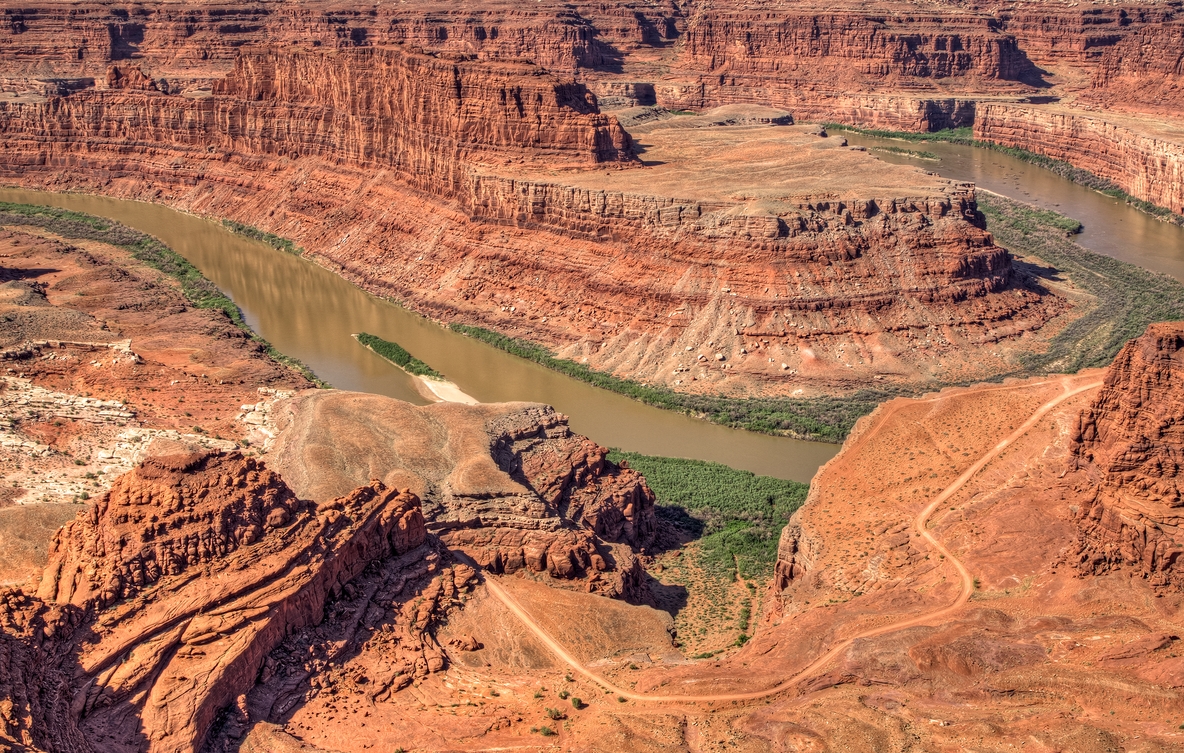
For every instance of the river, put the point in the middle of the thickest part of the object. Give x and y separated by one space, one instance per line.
1112 227
309 313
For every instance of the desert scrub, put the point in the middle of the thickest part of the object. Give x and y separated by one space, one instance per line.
952 135
736 515
271 239
200 292
399 356
1128 297
827 419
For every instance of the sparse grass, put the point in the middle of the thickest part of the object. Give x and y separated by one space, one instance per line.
1128 296
200 292
823 418
397 355
271 239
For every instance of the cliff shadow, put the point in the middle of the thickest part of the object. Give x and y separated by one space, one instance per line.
13 274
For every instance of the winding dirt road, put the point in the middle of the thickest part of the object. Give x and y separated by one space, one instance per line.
920 524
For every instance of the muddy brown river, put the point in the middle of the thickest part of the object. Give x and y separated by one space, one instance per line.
309 313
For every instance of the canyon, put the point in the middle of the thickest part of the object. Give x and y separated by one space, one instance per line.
362 571
534 173
203 549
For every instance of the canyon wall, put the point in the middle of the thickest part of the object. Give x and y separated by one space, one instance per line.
1130 443
1146 166
370 157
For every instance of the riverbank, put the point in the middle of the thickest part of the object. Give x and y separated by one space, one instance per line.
431 383
1060 167
198 290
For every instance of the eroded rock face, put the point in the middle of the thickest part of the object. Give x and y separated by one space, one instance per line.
36 653
508 484
1146 164
166 516
193 569
1130 443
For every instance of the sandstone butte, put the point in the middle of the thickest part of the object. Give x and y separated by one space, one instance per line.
980 567
465 159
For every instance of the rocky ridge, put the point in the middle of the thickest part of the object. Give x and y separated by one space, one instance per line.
509 485
1130 445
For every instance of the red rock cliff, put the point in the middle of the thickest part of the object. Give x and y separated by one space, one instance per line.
1145 165
1130 443
194 551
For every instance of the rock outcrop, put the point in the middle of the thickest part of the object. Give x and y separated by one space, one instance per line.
509 485
1130 443
193 569
37 653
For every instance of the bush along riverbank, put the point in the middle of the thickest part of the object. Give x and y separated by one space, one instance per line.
1127 297
271 239
1064 169
200 292
399 356
826 419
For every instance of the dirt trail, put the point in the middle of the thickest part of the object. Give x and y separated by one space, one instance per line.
920 523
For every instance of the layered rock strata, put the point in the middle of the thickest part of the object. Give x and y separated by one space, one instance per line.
509 485
1130 443
195 567
1145 159
285 145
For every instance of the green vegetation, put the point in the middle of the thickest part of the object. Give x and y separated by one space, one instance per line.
200 292
563 694
1060 167
1128 296
906 152
555 714
824 418
577 703
952 135
395 353
271 239
737 515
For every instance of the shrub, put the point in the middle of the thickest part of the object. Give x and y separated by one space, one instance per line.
397 355
577 703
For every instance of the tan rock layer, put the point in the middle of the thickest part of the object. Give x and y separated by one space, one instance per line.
1130 442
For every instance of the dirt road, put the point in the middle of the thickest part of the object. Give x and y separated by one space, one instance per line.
920 524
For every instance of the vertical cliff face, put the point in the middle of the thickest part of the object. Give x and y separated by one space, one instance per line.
415 114
1145 163
1130 443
